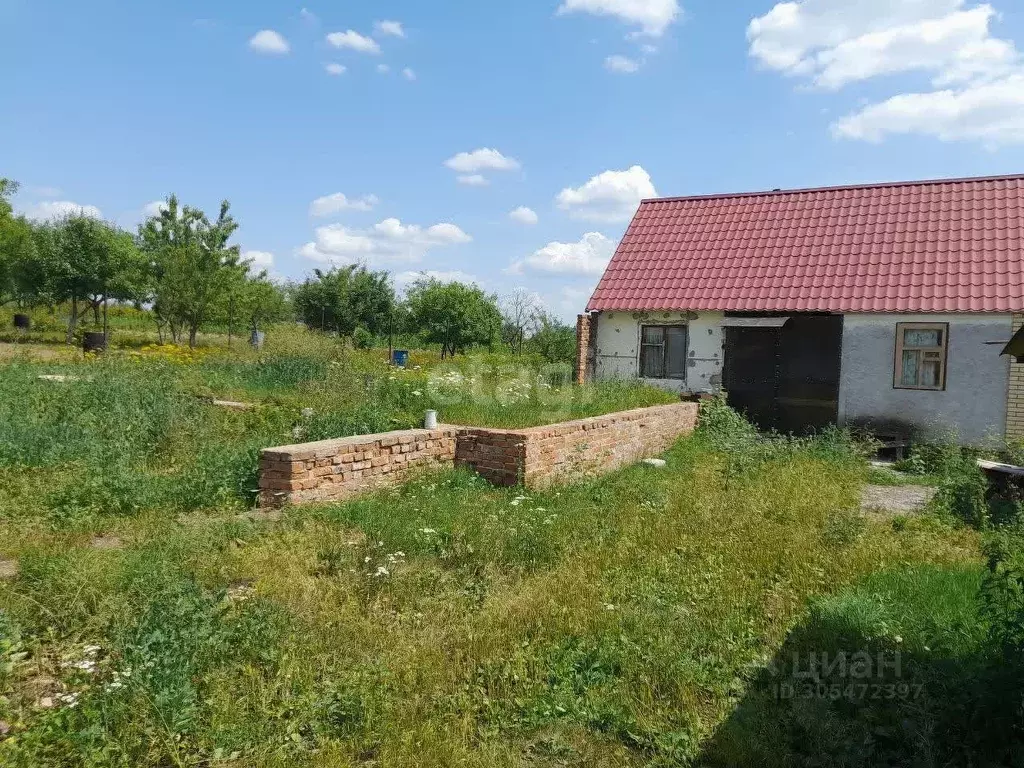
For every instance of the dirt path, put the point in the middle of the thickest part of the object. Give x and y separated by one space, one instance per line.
35 351
895 499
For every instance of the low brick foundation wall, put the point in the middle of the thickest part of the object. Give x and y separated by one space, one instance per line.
540 456
334 470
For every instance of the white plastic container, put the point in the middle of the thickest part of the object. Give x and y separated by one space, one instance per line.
430 420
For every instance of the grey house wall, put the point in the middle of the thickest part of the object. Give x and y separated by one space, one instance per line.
977 379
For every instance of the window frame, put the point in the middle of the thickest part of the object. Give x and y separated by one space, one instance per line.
664 351
943 350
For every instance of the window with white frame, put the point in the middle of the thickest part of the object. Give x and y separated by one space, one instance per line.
663 351
921 350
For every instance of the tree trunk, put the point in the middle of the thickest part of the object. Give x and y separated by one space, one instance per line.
73 320
193 331
95 314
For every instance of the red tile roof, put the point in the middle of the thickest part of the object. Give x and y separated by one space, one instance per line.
953 245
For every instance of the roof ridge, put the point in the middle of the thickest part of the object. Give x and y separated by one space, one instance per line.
838 188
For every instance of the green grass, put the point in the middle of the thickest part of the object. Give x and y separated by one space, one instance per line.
889 477
623 621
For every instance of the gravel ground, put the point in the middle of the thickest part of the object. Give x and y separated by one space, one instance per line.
896 499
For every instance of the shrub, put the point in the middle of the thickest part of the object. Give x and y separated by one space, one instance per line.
722 426
943 457
363 339
1003 589
962 494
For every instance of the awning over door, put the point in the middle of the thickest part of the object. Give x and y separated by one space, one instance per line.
754 322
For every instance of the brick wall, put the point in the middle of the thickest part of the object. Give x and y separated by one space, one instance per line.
604 443
334 470
541 456
1015 396
584 339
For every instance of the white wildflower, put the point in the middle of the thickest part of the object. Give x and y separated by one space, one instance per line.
382 571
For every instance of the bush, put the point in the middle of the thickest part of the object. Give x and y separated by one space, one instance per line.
942 458
724 427
963 495
363 339
1003 589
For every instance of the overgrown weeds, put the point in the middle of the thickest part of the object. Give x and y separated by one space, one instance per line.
610 622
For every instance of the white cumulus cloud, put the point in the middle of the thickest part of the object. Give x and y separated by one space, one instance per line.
589 256
405 279
622 64
612 196
329 205
354 41
387 242
409 74
383 69
389 28
652 16
259 259
524 215
59 209
335 69
481 160
832 43
154 208
992 113
269 42
473 180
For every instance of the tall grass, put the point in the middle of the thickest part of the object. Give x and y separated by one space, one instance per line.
612 622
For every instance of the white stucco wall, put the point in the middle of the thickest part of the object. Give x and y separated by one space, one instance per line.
977 378
617 353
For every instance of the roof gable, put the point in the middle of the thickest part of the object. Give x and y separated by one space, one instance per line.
933 246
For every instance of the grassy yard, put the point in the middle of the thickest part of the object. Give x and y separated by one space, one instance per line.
149 617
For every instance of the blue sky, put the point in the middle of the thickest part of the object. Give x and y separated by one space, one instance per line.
583 106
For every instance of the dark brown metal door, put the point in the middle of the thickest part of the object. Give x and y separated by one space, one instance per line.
786 379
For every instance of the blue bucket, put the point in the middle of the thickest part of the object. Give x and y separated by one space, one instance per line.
400 357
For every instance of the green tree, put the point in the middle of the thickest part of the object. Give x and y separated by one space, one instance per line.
192 266
553 340
21 275
346 298
86 262
261 302
454 315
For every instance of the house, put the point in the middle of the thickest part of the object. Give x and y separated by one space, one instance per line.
884 305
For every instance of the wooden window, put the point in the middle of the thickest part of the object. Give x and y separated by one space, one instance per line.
921 355
663 352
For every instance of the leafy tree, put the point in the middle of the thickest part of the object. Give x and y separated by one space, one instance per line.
344 299
261 302
20 273
86 262
454 315
192 265
553 340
